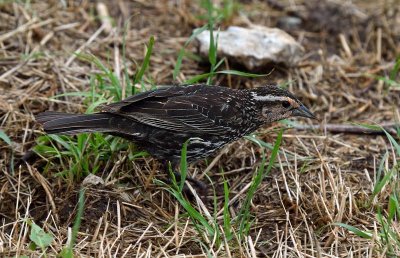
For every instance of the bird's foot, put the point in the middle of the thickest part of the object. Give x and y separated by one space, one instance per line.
200 187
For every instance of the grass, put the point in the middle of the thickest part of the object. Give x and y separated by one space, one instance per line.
4 137
391 80
386 236
386 191
244 218
205 221
327 195
43 240
223 12
87 153
68 252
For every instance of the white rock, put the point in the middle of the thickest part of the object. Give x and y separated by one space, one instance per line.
92 180
254 47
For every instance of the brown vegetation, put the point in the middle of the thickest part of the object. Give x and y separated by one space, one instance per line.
321 178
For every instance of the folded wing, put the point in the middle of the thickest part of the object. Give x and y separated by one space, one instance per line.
175 109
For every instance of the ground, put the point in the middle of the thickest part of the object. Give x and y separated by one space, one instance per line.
320 177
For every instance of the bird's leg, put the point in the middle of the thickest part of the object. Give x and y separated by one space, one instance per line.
199 186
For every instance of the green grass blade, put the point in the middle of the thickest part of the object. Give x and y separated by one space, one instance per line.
395 70
379 186
178 64
67 251
226 214
4 137
393 207
212 51
181 54
146 61
78 218
388 81
384 234
244 215
220 62
244 74
197 78
94 105
60 140
115 84
358 232
183 165
128 84
193 213
388 135
381 167
393 142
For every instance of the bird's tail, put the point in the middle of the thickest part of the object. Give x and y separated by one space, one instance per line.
70 124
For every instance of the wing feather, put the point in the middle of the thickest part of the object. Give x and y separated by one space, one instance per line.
176 109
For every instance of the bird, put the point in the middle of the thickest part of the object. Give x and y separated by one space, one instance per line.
160 121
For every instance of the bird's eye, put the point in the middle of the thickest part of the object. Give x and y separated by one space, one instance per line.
285 104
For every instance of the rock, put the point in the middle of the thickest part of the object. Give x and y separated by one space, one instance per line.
92 180
253 47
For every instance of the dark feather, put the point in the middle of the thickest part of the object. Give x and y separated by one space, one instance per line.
176 109
70 124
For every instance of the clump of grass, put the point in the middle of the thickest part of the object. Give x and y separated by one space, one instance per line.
222 12
386 191
244 217
207 223
391 80
86 153
78 156
385 197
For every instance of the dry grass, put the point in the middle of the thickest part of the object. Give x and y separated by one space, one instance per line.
321 178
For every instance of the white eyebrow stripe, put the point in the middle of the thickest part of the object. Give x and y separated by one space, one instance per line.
269 97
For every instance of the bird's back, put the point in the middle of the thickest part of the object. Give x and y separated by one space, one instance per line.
212 115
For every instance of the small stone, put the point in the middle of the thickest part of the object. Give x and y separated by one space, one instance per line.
92 180
253 47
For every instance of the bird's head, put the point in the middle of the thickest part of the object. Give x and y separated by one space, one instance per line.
277 104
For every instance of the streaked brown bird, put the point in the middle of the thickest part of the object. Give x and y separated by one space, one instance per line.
160 121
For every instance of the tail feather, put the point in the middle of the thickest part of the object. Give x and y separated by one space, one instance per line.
50 115
64 123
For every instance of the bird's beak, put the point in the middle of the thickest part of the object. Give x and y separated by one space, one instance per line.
304 112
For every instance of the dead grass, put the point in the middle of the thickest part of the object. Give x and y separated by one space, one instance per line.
321 177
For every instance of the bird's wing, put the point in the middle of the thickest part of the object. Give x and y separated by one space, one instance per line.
201 110
164 92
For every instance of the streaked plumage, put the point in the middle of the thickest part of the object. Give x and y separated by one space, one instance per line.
160 121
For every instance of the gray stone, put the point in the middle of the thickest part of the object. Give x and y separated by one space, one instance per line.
253 47
92 180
